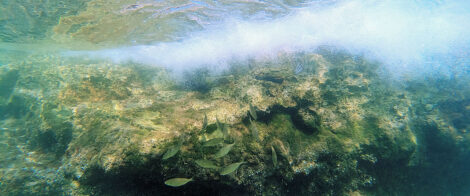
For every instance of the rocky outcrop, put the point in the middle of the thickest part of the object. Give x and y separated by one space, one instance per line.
333 126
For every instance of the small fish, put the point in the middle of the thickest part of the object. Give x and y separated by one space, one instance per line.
203 138
274 156
177 182
253 112
219 124
230 168
225 130
224 151
213 142
207 164
298 69
281 148
254 130
171 152
204 122
222 127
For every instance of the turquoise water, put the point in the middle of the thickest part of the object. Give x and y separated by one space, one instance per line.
234 97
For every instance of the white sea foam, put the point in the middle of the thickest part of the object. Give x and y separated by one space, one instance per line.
403 34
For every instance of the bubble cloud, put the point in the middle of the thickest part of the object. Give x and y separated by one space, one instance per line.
411 35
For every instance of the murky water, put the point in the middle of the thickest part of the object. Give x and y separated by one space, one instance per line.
234 97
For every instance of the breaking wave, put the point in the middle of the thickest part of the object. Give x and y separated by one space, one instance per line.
409 36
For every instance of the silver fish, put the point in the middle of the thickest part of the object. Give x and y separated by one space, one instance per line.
298 69
230 168
207 164
171 152
204 122
224 151
274 156
177 182
213 142
219 124
253 112
254 130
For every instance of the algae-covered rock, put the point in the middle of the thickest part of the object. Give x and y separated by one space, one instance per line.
332 127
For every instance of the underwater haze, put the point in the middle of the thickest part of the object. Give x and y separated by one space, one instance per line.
417 36
234 97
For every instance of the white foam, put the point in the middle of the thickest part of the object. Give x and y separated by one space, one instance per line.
403 34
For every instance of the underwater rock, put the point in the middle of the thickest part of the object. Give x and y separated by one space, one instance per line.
276 76
329 130
197 80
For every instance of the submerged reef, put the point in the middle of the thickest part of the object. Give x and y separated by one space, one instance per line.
333 125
